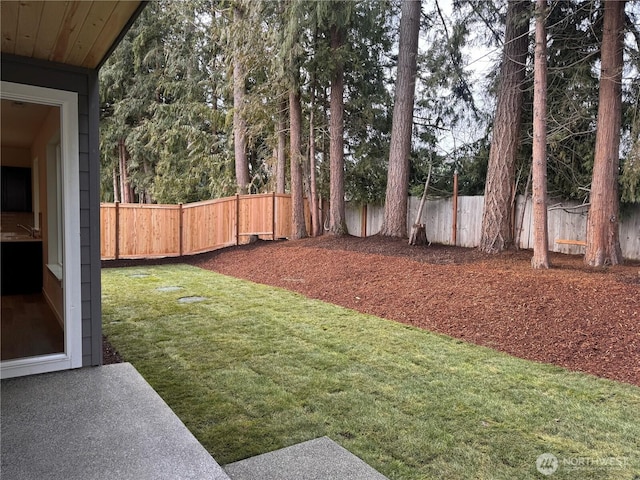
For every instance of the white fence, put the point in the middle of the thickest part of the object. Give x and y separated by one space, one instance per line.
566 220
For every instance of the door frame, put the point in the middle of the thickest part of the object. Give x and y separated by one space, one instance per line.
67 102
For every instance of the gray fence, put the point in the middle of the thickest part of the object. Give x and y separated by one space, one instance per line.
567 220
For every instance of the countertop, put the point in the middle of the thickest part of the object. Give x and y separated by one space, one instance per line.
17 237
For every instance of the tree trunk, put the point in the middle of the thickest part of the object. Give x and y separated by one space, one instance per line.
116 184
395 208
417 226
497 234
239 122
298 227
540 231
520 224
603 243
325 162
123 171
281 167
146 195
126 192
337 216
316 224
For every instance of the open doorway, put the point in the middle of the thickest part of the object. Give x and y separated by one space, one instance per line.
40 286
32 317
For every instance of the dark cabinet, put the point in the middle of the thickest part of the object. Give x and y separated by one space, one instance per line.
21 265
16 189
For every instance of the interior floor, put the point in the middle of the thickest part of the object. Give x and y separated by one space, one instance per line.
28 327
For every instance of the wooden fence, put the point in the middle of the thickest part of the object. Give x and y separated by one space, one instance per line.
131 230
145 231
567 220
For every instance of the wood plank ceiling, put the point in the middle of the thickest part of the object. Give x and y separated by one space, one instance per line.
76 33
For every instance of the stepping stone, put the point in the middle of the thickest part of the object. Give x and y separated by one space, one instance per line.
191 299
318 459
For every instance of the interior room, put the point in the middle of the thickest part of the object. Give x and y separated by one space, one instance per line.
31 259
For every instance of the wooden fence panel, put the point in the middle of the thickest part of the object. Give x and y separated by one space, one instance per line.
108 231
148 230
353 219
375 216
630 234
255 216
469 225
566 224
526 234
437 218
209 225
283 216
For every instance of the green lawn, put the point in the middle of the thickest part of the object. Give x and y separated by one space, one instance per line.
254 368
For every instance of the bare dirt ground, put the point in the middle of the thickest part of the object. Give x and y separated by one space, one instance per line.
577 317
580 318
109 354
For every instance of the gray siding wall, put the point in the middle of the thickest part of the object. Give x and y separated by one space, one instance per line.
85 84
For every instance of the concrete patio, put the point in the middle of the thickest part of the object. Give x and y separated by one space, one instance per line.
96 423
108 423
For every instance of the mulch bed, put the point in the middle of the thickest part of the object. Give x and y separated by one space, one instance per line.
109 354
571 315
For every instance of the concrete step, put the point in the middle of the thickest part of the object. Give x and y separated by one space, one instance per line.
318 459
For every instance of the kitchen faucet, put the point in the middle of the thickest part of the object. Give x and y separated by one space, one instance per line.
28 228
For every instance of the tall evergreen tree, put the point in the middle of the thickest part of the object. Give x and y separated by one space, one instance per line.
395 209
239 121
630 181
157 95
603 243
316 224
281 167
291 55
337 33
497 233
540 231
128 88
298 227
571 88
630 175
